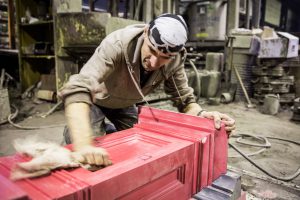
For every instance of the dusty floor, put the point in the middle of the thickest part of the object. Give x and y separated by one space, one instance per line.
281 159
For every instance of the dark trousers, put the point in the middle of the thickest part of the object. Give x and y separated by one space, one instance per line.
121 119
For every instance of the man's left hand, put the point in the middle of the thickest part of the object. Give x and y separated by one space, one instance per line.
218 118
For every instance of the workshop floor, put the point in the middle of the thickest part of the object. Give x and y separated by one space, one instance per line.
282 159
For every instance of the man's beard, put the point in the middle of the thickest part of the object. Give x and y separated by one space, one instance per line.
146 63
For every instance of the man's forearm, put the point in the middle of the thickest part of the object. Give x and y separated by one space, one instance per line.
78 120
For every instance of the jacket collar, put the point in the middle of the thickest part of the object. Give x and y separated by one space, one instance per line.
133 33
137 52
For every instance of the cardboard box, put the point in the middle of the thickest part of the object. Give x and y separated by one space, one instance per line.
292 44
286 46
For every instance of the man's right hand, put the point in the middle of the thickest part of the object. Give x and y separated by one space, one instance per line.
78 119
92 155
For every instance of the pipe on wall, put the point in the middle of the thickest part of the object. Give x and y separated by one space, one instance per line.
256 14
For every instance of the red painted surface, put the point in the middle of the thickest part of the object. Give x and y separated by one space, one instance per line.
211 150
9 191
243 196
58 185
144 162
203 149
166 155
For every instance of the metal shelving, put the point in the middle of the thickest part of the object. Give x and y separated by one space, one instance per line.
35 27
7 33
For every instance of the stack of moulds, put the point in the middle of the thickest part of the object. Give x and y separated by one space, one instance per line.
272 80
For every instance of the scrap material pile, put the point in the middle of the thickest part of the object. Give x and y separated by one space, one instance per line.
273 80
272 72
264 54
4 97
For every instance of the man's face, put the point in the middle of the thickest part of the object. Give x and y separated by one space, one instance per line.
152 58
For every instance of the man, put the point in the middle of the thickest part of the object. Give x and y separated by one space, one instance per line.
127 65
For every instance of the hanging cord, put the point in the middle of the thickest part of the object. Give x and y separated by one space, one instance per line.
177 90
52 109
197 79
15 114
282 139
264 146
130 70
267 145
137 86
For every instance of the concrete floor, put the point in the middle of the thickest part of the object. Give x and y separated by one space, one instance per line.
281 159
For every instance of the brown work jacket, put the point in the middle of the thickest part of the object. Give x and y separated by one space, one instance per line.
105 79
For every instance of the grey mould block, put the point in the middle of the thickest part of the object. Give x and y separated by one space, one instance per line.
229 182
211 193
226 187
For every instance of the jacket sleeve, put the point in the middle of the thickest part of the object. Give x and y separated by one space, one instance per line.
82 87
177 86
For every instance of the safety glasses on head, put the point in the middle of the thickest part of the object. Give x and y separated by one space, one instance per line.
168 33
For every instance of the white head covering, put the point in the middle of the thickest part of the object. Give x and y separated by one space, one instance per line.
168 33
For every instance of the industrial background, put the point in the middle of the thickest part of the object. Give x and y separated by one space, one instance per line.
243 60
